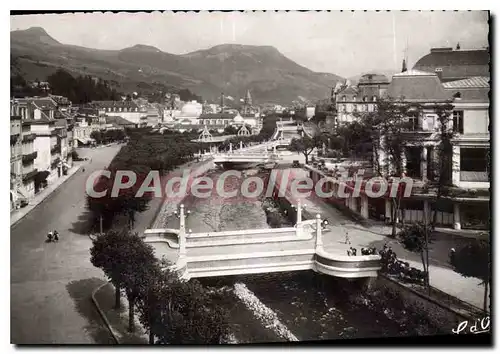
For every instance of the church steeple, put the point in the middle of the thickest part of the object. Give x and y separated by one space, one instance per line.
458 46
248 99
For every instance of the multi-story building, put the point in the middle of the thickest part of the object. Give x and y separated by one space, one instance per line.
28 169
466 203
350 99
15 160
43 141
128 110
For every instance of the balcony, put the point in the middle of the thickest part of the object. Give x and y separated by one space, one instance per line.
29 157
29 137
30 175
13 139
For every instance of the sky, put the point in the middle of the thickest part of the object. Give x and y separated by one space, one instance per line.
343 43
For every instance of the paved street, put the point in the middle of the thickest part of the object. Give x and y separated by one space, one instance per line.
51 283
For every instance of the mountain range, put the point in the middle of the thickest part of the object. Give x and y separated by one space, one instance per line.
229 68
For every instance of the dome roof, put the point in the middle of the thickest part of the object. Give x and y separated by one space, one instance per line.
191 109
238 119
373 78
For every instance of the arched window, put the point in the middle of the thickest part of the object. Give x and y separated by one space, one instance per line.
365 99
457 95
354 98
343 98
374 98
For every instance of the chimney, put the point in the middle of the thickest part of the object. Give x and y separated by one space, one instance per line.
404 66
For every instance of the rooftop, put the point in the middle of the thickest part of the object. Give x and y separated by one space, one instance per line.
217 115
373 78
417 86
472 82
456 64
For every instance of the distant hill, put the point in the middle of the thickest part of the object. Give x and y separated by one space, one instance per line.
228 68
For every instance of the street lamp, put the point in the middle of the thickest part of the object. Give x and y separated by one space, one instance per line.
182 217
299 207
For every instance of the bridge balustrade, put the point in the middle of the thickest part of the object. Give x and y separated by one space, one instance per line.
259 251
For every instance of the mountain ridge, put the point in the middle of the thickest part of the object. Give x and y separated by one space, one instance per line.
230 68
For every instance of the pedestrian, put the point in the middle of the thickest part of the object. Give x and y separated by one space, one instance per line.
56 236
347 239
49 236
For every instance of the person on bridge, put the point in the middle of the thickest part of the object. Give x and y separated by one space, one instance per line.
347 239
56 236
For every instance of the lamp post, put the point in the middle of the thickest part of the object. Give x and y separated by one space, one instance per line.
182 230
299 208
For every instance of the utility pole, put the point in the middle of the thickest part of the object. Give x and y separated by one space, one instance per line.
100 223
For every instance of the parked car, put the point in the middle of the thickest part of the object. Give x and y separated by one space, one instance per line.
295 164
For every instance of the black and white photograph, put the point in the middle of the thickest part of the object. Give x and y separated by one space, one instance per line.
250 177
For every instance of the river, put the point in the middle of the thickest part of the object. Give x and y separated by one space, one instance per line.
286 306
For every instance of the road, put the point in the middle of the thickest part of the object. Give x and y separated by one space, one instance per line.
51 283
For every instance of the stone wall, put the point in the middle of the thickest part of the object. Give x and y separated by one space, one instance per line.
437 314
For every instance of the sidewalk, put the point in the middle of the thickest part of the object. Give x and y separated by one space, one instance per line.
442 276
20 213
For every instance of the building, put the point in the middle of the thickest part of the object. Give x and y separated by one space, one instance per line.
15 160
458 64
85 125
471 148
128 110
466 204
349 100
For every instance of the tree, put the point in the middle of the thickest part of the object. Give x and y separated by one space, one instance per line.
97 136
415 238
107 255
474 260
152 302
443 165
306 145
390 127
138 272
230 130
191 316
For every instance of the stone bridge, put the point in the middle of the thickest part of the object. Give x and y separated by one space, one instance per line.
211 254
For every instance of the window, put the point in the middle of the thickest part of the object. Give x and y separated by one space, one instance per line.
343 98
354 98
474 159
374 98
412 123
458 122
344 109
457 95
365 99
